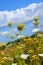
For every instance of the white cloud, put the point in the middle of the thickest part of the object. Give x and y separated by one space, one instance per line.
22 15
32 6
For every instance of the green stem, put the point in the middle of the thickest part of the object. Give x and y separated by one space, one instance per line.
20 36
35 35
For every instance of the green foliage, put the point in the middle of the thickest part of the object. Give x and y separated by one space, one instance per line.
2 47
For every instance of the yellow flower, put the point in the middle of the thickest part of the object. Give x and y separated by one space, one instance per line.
35 40
30 39
35 23
12 36
20 26
9 23
34 57
2 60
24 40
31 51
35 18
40 35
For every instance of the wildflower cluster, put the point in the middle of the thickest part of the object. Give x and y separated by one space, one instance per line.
27 51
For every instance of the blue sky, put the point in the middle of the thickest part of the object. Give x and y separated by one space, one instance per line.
19 11
15 4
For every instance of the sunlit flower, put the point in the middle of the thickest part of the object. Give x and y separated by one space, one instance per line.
5 33
21 36
14 63
40 35
24 56
12 36
31 51
8 58
3 44
35 18
9 23
40 55
20 26
36 30
25 64
34 57
35 23
2 61
24 40
2 53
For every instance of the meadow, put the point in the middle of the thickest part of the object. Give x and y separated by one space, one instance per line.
25 50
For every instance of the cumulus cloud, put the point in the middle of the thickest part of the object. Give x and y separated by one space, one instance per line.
22 15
